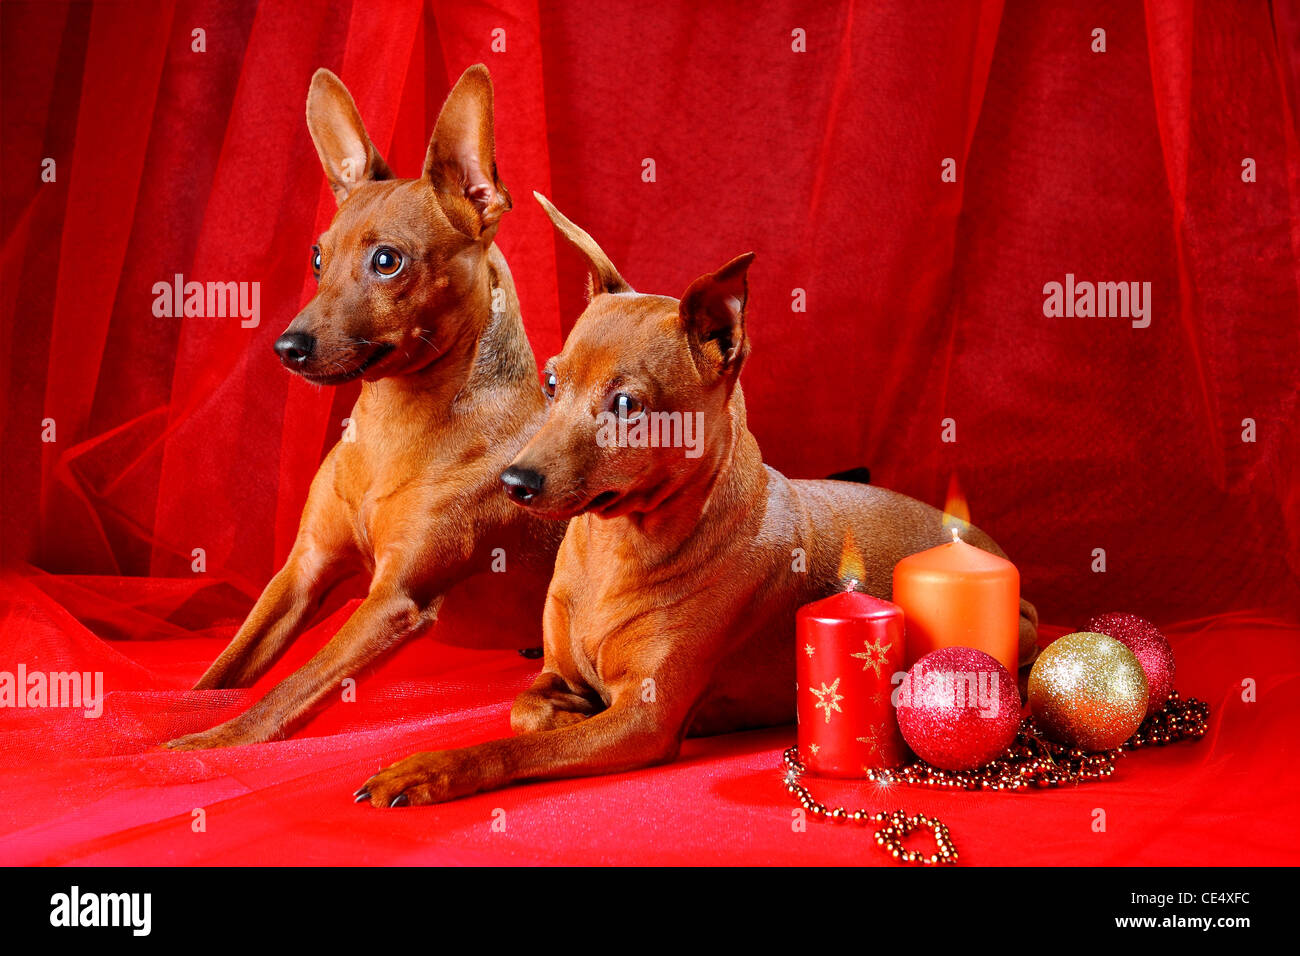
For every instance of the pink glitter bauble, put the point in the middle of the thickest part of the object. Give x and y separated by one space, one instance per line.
958 708
1148 645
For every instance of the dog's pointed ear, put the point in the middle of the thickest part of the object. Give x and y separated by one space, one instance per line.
461 161
713 313
603 277
345 150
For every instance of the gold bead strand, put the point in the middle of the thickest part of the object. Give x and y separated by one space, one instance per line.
1032 761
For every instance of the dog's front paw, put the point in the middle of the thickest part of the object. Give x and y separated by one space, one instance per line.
422 778
233 733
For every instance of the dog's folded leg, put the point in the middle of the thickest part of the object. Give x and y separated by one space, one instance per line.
548 704
385 618
1028 633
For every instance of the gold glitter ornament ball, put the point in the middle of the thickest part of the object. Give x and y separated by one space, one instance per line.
1088 690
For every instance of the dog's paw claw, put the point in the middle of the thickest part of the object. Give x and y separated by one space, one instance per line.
361 795
419 780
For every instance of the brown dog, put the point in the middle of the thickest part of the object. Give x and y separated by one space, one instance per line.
673 602
416 300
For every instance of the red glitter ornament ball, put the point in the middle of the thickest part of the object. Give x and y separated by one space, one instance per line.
1148 645
958 708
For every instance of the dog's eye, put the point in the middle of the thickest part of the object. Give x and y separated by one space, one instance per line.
626 407
549 381
315 261
386 262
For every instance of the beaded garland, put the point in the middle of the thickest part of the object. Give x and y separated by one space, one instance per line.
1032 761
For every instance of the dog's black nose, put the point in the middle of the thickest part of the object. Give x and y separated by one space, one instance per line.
294 348
522 484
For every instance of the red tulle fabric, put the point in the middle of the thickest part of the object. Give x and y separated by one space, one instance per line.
924 302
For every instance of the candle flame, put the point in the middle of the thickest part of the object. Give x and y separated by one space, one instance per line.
852 570
956 512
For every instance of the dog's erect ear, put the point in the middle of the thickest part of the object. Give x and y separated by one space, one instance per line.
713 312
603 277
461 161
346 152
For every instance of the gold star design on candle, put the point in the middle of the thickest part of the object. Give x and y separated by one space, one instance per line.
815 749
874 655
878 738
828 698
874 737
808 649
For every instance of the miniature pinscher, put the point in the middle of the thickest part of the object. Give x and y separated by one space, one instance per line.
672 607
416 301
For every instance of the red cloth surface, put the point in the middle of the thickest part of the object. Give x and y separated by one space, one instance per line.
95 791
924 302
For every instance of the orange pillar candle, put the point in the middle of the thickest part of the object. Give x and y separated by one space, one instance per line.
958 595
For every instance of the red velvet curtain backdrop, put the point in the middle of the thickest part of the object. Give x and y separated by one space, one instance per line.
925 297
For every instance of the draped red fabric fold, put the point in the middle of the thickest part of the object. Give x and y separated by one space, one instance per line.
154 467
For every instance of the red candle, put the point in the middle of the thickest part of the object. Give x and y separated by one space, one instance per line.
849 646
958 595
